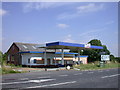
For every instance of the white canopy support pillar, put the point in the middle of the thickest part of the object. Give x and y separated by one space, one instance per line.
55 57
79 56
45 58
62 55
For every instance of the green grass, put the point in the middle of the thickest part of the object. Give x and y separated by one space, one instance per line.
6 70
9 70
92 66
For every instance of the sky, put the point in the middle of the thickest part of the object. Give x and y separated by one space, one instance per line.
75 22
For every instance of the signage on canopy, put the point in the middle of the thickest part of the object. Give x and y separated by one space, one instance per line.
87 45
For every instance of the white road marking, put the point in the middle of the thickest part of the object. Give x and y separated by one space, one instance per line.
52 84
90 72
44 77
78 74
63 75
30 81
110 76
24 78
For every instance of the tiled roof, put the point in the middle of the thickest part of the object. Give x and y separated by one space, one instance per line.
32 47
28 47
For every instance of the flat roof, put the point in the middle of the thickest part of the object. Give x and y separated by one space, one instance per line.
66 45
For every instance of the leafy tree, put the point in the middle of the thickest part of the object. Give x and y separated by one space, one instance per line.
4 57
1 56
95 54
117 59
95 42
112 58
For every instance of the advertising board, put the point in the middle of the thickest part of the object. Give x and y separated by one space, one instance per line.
105 57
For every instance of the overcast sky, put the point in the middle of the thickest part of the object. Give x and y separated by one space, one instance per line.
69 22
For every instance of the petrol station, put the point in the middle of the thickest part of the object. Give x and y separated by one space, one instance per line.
48 54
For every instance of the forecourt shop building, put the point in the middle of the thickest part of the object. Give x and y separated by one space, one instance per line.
53 54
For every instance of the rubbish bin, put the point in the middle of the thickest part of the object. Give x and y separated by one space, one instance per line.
102 64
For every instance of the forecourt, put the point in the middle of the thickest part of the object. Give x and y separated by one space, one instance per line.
107 78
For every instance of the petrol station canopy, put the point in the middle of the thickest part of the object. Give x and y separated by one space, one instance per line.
71 46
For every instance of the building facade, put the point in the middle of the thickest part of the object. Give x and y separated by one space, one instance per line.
48 55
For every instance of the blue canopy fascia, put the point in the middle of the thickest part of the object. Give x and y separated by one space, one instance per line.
71 45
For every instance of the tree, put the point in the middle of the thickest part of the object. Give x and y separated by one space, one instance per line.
117 59
4 58
95 42
1 56
112 58
94 54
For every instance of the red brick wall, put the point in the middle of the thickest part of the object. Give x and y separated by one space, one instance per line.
13 52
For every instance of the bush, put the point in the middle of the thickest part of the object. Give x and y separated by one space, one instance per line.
6 70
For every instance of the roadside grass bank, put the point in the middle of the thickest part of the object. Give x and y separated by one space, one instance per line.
93 66
9 70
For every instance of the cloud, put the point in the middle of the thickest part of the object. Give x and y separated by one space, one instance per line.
91 7
2 12
62 26
68 38
29 6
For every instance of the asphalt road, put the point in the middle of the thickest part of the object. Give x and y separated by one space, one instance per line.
107 78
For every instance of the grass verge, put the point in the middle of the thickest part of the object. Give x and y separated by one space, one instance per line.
9 70
92 66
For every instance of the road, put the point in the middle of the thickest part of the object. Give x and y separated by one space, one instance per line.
107 78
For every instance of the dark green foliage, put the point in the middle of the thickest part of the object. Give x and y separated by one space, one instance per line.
117 59
1 56
4 57
95 42
94 54
112 57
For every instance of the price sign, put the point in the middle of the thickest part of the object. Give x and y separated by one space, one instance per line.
105 57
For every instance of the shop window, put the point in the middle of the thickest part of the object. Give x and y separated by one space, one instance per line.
35 60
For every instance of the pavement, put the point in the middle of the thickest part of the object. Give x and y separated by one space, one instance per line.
107 78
